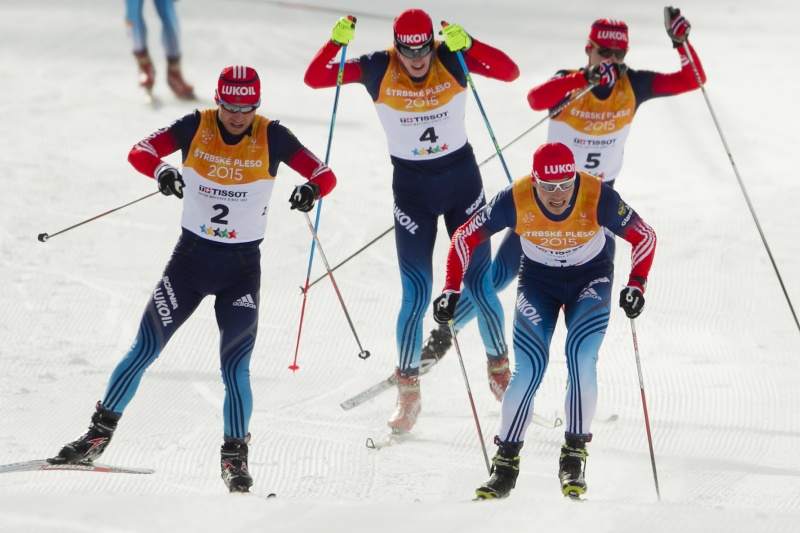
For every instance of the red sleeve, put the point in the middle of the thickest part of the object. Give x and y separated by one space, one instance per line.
464 241
682 81
550 93
146 155
643 242
310 167
490 62
324 72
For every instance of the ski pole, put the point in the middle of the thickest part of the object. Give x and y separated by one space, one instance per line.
644 408
294 366
363 354
43 237
469 393
480 107
741 183
551 114
370 243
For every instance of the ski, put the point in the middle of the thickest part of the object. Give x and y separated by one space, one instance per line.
43 464
370 393
424 367
574 496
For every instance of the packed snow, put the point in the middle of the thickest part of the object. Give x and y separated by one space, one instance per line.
718 342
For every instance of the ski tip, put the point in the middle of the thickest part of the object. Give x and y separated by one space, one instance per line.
271 495
574 496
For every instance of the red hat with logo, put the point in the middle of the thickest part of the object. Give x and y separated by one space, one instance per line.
553 162
608 33
238 86
413 28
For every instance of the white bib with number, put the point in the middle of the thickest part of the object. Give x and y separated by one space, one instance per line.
422 120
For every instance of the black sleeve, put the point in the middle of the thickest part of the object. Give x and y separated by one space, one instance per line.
373 67
282 145
642 85
183 131
451 63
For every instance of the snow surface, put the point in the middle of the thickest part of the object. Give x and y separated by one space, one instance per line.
718 344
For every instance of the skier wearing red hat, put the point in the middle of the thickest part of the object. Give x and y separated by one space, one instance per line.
560 216
420 93
230 158
596 126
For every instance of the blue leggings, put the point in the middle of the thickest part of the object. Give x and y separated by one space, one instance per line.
419 200
585 293
197 269
137 28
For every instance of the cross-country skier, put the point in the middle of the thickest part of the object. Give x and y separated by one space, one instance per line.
420 92
560 216
596 126
170 36
230 161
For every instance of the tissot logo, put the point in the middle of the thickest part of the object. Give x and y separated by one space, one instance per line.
414 39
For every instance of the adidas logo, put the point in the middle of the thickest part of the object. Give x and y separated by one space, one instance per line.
245 301
589 293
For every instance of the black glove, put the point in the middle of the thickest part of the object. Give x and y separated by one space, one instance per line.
444 306
170 182
631 300
677 26
303 196
604 74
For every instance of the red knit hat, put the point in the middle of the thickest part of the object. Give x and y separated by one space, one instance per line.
413 28
238 86
608 33
553 162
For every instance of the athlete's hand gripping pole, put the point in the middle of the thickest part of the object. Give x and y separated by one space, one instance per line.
480 106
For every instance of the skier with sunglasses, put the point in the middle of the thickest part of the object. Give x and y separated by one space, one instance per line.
596 126
420 93
560 216
230 157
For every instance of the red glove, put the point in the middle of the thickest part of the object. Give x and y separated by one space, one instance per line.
604 74
677 26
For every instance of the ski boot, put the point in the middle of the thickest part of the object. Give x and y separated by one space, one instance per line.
505 469
233 462
147 73
91 444
572 465
438 343
182 90
409 403
499 375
